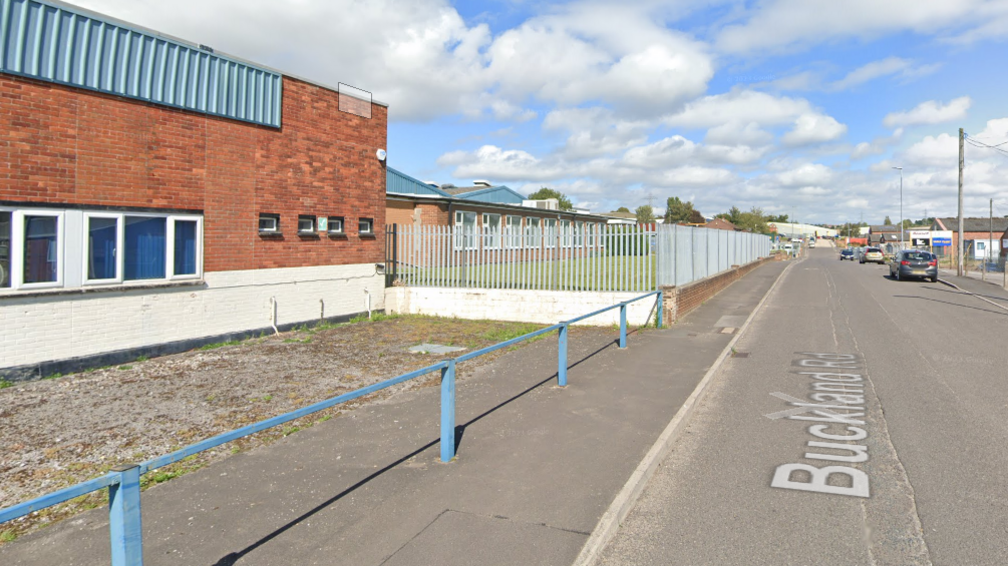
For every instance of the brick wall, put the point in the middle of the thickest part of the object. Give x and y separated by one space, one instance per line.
680 301
63 145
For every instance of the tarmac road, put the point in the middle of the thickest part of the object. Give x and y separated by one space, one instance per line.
922 373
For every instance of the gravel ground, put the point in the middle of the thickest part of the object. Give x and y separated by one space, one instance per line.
58 432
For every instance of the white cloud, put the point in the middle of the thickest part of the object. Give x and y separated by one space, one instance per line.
930 112
738 133
595 131
805 175
590 52
783 24
903 69
813 129
739 107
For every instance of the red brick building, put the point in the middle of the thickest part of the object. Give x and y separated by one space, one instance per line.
173 195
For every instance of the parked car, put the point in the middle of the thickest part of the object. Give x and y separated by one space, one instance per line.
874 255
914 264
846 253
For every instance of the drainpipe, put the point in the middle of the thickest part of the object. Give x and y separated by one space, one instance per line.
273 315
367 303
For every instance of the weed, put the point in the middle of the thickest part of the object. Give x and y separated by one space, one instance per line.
509 332
211 398
53 376
235 449
324 419
126 367
291 430
4 384
267 398
143 358
304 340
216 345
8 536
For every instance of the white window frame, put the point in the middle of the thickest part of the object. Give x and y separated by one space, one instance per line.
549 232
335 221
17 248
78 249
170 252
276 222
491 237
370 227
310 230
513 223
461 237
533 224
565 227
120 236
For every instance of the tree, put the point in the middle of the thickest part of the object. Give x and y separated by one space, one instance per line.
752 221
677 211
622 209
733 215
887 222
696 217
778 218
645 214
546 192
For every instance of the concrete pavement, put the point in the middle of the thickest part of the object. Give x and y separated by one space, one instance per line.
537 465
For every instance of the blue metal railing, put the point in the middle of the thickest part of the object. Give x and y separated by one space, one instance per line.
123 482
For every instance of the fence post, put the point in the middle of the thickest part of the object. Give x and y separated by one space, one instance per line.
448 412
562 355
124 517
622 326
660 315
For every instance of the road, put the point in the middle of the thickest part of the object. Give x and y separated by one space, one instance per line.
914 374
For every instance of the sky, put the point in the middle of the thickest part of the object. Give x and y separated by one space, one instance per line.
798 107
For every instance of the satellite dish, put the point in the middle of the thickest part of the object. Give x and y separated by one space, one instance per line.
381 155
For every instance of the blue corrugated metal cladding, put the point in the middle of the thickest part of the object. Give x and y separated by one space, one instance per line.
58 44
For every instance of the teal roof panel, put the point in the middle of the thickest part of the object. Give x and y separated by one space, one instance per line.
58 43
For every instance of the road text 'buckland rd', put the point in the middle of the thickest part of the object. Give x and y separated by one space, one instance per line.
838 401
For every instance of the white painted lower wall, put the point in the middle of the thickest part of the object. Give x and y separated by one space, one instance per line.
544 307
42 328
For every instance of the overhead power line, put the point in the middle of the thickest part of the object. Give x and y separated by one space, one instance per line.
979 144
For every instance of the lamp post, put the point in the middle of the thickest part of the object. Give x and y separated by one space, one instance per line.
901 205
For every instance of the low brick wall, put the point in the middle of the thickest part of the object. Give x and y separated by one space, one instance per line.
680 301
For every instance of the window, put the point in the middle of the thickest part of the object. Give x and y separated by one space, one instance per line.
40 248
102 248
269 223
579 234
5 248
186 248
533 234
491 230
103 242
514 231
365 227
306 224
550 232
465 230
335 224
145 248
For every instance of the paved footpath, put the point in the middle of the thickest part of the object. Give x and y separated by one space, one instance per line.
537 465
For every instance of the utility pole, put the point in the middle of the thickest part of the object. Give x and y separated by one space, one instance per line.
990 238
959 264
